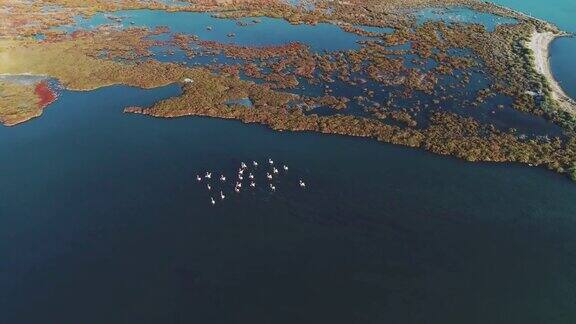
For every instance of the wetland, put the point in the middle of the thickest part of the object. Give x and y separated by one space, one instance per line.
112 108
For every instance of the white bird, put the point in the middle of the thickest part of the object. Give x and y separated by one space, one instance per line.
254 163
238 185
270 161
241 171
212 201
285 168
198 178
209 188
252 184
222 195
302 184
268 175
243 165
240 177
237 189
275 170
222 178
251 176
208 175
272 187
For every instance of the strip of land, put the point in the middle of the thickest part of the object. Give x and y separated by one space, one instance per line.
107 56
540 44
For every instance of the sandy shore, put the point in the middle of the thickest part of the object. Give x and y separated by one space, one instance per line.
539 44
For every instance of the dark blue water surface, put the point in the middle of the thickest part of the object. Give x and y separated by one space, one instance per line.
103 221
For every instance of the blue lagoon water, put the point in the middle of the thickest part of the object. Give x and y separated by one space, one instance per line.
103 221
462 15
268 31
563 50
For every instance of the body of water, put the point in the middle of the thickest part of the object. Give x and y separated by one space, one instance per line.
462 15
264 32
103 221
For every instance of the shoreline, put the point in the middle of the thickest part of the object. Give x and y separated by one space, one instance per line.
540 45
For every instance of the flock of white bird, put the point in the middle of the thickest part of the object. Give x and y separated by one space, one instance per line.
245 172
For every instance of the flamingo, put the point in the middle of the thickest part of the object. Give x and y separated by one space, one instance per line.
208 175
222 178
198 178
269 176
272 187
212 201
222 195
302 184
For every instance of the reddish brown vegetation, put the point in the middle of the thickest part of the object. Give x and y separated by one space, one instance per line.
45 95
